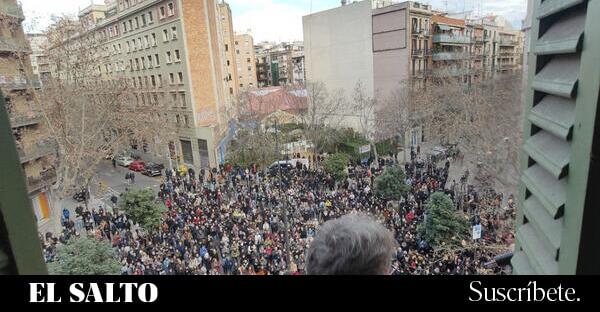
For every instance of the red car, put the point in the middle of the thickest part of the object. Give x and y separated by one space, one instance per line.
137 166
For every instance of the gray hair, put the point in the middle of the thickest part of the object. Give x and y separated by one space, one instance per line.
351 245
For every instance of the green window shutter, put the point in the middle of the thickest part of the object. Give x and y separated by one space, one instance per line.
557 150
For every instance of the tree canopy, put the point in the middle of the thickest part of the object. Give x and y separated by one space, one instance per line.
390 185
142 208
85 256
443 226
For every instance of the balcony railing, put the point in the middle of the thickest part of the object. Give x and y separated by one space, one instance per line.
11 45
420 31
23 120
12 10
446 38
18 83
449 56
37 151
507 42
46 179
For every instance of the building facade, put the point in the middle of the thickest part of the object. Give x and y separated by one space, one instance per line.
37 151
174 51
279 64
246 61
230 57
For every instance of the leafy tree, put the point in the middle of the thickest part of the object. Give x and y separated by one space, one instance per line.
142 208
390 185
387 147
442 225
336 165
85 256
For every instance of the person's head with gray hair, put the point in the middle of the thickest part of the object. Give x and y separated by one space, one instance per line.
351 245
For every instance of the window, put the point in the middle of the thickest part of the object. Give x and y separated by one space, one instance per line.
119 48
143 20
169 61
162 12
249 60
131 24
146 43
130 65
237 43
179 121
174 33
155 98
180 78
150 65
150 18
137 65
165 35
237 51
153 39
143 61
171 9
137 23
160 81
230 90
140 81
174 98
177 56
172 78
157 60
226 48
134 82
187 122
124 27
249 68
228 63
139 43
182 98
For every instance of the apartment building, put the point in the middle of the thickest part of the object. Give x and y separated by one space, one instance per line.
37 151
298 68
246 61
276 63
40 64
451 55
228 37
173 51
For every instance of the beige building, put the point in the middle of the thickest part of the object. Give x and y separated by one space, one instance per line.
246 61
173 51
279 64
228 37
36 150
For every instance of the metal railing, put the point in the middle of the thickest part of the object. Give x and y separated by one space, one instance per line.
36 151
46 179
446 38
448 56
450 72
22 120
10 45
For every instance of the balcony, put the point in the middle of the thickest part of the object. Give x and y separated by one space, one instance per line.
15 11
46 179
11 45
18 83
417 53
449 56
420 32
23 120
37 151
454 39
507 42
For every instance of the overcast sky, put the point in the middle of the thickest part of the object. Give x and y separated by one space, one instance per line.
275 20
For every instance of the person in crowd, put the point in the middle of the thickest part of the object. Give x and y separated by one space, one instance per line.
251 221
353 244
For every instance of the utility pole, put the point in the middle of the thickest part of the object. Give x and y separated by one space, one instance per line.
285 203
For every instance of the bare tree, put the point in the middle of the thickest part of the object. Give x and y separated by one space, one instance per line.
483 120
91 109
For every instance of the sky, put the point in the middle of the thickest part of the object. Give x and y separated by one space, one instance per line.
275 20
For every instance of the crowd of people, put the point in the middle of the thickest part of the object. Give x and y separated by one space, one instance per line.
233 221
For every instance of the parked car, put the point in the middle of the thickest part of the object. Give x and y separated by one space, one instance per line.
137 166
124 161
153 170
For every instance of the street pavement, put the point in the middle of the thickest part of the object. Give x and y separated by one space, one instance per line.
114 183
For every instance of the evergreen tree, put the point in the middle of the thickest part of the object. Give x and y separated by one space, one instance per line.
442 225
142 208
85 256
